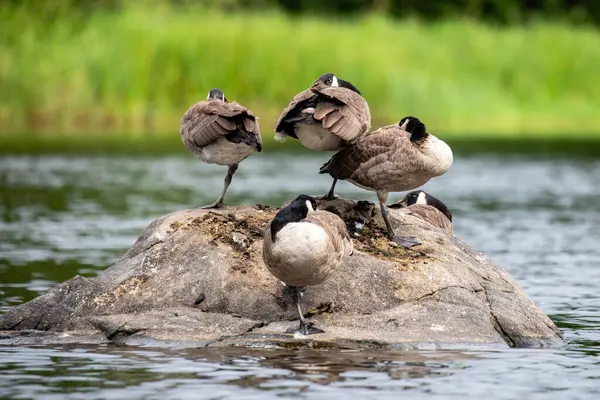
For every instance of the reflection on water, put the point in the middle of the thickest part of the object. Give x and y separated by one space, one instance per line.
113 372
67 215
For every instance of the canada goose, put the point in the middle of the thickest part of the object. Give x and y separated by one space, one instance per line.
325 117
392 159
219 132
424 206
302 247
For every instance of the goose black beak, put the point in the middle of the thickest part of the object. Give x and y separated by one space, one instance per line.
399 204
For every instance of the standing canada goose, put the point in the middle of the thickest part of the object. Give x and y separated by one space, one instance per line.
392 159
303 247
424 206
325 117
219 132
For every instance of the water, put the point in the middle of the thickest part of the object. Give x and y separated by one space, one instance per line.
538 216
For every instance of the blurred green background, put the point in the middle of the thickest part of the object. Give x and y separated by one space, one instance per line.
126 71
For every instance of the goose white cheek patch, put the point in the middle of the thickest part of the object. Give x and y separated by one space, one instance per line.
309 206
421 199
334 82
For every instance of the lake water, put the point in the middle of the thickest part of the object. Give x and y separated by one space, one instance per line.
538 216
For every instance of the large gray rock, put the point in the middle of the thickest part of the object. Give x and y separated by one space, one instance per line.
197 277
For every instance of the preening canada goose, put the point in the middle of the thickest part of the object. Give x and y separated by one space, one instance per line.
326 116
219 132
427 208
394 158
303 246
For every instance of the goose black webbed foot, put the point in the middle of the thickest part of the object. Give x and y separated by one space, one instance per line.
306 328
406 242
216 204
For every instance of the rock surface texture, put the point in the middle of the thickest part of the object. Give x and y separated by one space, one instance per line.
196 277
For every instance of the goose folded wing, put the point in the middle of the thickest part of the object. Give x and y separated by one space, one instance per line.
367 150
343 112
339 228
248 125
292 111
208 121
430 215
332 224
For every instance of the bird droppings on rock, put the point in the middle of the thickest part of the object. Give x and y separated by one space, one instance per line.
240 241
222 226
176 225
320 309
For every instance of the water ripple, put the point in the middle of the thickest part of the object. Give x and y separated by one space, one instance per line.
539 218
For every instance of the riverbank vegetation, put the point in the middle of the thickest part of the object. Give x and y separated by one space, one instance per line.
135 70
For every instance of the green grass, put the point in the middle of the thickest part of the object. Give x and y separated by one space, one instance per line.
138 70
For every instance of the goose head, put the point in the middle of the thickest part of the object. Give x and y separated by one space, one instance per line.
421 197
216 94
414 126
304 203
327 79
330 80
296 211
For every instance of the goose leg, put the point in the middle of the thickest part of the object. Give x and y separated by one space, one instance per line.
406 242
305 328
330 195
228 177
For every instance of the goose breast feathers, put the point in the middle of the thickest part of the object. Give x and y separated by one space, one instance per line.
307 252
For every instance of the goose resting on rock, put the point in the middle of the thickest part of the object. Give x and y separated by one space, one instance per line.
394 158
424 206
219 132
325 117
302 247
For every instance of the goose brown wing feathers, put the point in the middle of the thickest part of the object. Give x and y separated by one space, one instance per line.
207 121
429 214
342 111
292 112
369 148
335 228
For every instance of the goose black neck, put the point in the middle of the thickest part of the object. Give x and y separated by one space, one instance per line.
415 127
292 213
348 85
418 136
434 202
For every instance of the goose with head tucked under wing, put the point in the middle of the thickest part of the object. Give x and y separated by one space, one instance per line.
325 117
304 246
219 132
425 207
394 158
